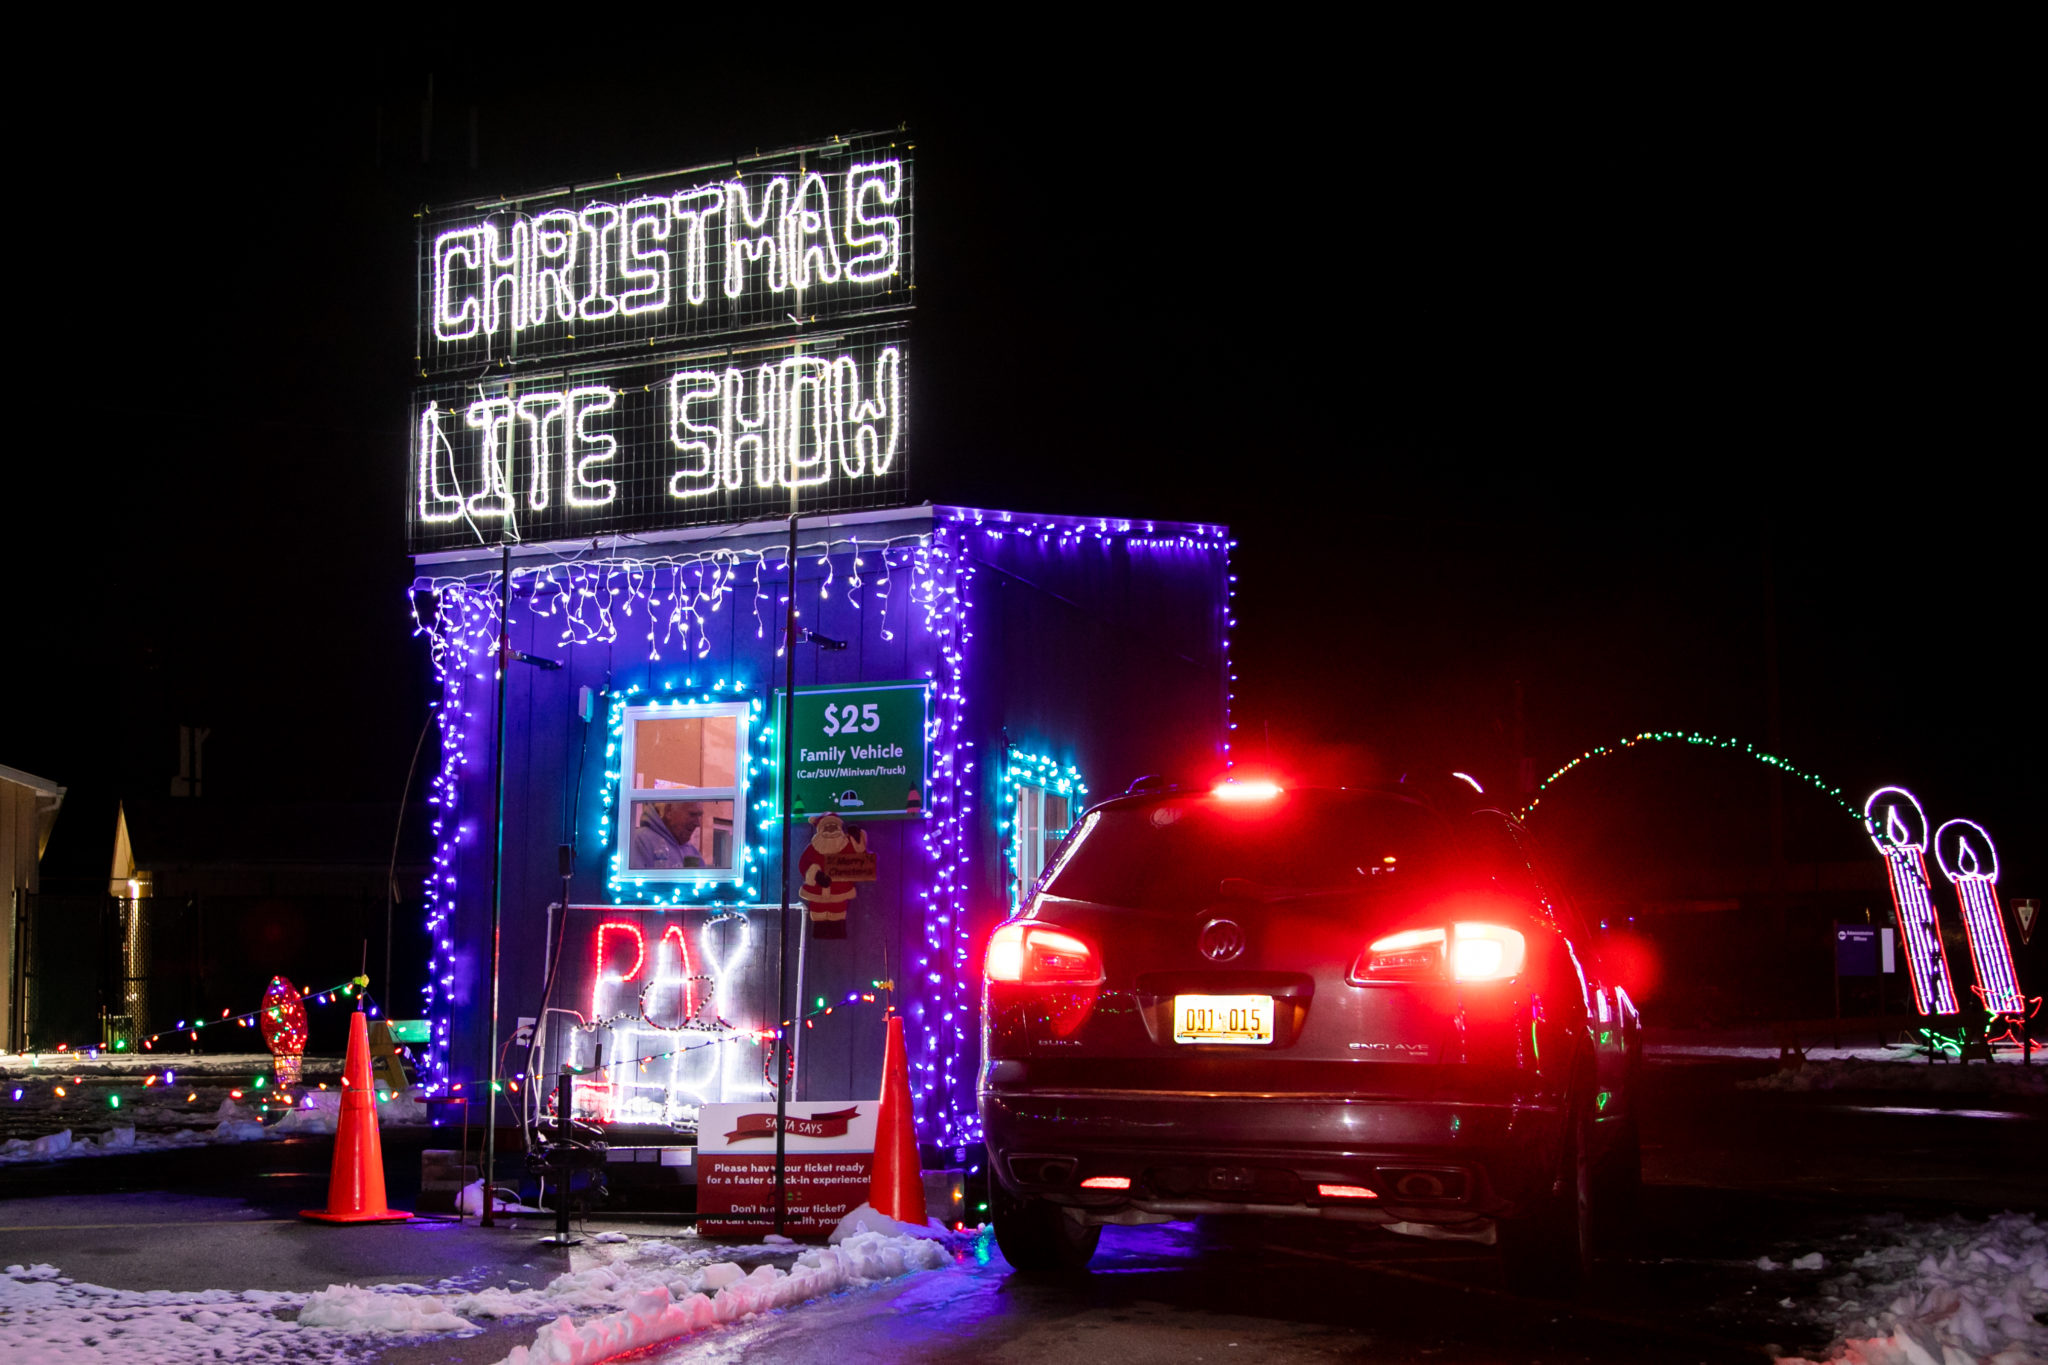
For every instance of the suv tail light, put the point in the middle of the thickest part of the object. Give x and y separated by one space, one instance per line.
1035 953
1467 951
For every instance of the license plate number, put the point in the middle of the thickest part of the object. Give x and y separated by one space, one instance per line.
1223 1019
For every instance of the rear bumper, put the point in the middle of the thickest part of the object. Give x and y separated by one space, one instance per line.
1194 1152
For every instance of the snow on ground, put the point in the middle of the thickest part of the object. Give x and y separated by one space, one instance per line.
1953 1292
104 1062
123 1102
617 1297
864 1218
669 1307
1977 1078
317 1112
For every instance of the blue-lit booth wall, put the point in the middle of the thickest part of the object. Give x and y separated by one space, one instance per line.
1100 646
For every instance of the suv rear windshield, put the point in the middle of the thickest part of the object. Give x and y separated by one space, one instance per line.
1175 852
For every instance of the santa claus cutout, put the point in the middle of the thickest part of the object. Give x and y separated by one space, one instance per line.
825 889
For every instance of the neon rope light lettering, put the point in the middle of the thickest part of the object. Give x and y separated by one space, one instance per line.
1898 826
775 236
644 269
794 424
1967 857
876 237
435 505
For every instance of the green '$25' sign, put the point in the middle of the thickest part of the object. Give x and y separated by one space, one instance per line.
860 750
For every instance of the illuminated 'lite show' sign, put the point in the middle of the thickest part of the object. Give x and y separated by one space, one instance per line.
815 425
1898 826
817 234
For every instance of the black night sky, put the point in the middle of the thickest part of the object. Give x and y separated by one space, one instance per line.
1590 386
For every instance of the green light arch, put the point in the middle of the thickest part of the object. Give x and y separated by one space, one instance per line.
1772 760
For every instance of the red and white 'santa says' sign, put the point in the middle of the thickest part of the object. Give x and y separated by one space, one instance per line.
828 1153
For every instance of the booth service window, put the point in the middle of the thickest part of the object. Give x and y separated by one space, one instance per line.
681 796
1043 818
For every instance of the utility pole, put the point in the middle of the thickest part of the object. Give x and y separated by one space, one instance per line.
783 1028
497 875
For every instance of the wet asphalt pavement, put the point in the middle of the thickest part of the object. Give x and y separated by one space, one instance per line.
1731 1175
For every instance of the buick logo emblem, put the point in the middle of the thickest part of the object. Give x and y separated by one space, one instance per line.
1222 940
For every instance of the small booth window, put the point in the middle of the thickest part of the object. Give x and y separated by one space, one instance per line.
682 796
1043 818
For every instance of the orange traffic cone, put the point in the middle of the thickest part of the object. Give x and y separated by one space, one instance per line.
355 1187
897 1190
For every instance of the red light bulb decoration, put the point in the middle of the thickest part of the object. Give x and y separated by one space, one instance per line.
283 1020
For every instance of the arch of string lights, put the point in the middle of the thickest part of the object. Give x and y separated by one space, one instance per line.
666 600
1693 737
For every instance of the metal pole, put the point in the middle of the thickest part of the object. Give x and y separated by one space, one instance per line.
497 878
787 811
565 1174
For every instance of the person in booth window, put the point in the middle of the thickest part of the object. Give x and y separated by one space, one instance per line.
667 836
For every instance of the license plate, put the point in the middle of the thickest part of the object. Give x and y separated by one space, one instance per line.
1223 1019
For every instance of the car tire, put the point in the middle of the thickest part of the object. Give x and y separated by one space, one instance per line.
1039 1238
1617 1190
1548 1251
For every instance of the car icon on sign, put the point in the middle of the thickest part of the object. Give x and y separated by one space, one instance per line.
849 797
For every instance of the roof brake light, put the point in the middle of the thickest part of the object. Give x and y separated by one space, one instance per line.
1245 791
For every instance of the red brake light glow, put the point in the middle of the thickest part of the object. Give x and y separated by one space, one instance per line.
1106 1182
1032 953
1345 1192
1469 951
1486 952
1245 791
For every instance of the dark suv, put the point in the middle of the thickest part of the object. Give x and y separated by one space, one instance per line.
1352 1004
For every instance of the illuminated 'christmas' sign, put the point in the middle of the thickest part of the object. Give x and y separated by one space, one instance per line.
1898 826
814 425
809 235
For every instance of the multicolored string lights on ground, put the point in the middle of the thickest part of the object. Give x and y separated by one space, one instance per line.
276 1018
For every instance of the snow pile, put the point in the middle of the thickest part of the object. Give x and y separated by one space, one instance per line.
112 1062
318 1114
471 1201
1978 1078
1951 1293
865 1219
390 1308
45 1316
634 1296
659 1311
